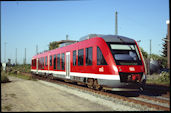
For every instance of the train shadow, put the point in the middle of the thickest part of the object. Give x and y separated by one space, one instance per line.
137 93
153 93
149 90
155 90
124 93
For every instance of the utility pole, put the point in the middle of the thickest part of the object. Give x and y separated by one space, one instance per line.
149 57
168 43
116 23
25 57
5 52
36 49
16 57
150 49
66 37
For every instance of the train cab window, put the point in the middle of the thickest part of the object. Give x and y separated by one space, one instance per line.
46 61
50 60
100 57
89 56
58 61
63 61
80 57
54 62
125 54
43 62
74 58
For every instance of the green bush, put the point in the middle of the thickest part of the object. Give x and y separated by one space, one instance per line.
164 77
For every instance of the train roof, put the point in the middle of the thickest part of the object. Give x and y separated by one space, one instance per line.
109 38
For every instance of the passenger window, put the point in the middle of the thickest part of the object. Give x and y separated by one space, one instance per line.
34 62
89 56
80 57
46 61
58 61
43 62
100 57
63 61
74 58
54 62
50 60
39 63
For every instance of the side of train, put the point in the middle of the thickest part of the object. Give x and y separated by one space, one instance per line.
100 61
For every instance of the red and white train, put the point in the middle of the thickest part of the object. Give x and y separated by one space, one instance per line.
111 61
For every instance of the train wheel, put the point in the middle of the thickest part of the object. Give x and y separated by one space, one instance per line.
96 86
90 82
51 76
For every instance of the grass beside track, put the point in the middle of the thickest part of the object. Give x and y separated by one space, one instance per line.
158 82
159 79
4 76
22 76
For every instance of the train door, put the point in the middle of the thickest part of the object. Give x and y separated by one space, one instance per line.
67 65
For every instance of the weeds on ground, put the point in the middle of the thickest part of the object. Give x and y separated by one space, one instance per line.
7 107
11 95
162 78
22 76
22 68
4 77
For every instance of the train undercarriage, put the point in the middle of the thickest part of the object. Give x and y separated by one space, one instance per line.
100 84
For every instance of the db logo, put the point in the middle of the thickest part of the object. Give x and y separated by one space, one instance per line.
131 68
101 69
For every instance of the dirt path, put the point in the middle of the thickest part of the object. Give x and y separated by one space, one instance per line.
27 95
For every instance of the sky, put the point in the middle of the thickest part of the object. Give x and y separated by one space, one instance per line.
25 24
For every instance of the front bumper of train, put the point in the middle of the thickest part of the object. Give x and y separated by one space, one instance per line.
123 86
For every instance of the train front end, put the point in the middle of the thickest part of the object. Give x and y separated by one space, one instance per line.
128 61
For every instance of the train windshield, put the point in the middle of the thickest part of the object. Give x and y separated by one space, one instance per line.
125 54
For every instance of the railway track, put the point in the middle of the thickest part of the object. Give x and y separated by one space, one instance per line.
143 100
167 95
